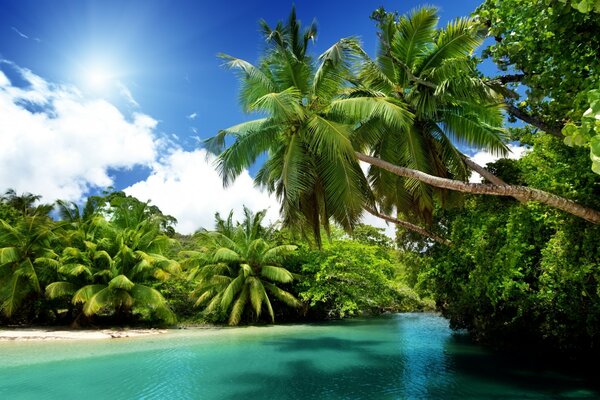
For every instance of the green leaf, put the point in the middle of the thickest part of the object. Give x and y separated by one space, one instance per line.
8 255
121 282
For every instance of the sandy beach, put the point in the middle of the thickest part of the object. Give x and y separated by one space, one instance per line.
54 334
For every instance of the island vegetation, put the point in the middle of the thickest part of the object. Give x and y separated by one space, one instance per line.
515 259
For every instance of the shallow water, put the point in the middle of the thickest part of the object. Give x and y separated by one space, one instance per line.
404 356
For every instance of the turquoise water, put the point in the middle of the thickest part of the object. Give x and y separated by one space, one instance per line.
404 356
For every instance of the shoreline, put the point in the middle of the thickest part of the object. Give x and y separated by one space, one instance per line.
40 334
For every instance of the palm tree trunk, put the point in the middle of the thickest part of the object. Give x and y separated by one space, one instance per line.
488 175
409 226
523 192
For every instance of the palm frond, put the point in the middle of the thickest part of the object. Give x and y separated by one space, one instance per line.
103 298
60 289
458 39
276 274
8 255
414 35
282 295
85 293
387 110
281 106
238 307
276 254
231 291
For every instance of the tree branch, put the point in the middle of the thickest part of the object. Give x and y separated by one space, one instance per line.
531 120
409 226
504 79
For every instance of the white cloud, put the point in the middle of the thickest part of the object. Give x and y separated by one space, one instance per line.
484 157
388 227
24 36
186 185
58 144
126 93
192 116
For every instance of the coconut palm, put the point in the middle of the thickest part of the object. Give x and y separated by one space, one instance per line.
430 70
239 270
27 259
106 267
419 96
311 165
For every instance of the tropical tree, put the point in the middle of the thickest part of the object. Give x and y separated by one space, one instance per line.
13 205
311 165
108 265
240 269
311 114
430 73
453 77
27 259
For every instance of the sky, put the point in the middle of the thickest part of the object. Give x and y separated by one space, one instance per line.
97 94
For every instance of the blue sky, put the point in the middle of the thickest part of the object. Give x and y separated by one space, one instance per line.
147 69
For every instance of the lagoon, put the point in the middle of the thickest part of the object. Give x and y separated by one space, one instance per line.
401 356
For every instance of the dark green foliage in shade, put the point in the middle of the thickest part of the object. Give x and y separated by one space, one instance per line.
524 275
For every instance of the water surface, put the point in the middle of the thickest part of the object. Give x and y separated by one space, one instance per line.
402 356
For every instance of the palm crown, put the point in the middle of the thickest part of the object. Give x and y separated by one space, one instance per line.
430 72
239 269
311 164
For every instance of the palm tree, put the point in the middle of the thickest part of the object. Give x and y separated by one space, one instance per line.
240 269
24 204
419 94
431 72
311 164
27 259
107 265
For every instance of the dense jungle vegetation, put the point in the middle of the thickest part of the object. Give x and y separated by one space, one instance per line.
515 259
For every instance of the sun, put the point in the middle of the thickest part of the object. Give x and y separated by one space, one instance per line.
98 78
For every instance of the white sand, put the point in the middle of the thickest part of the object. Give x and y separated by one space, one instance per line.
50 334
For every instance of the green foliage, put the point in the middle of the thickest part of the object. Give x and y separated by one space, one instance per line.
348 278
584 6
524 274
555 48
310 164
27 260
369 235
588 132
428 72
106 265
240 270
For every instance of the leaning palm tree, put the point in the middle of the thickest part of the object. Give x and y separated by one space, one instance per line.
418 96
239 270
431 72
